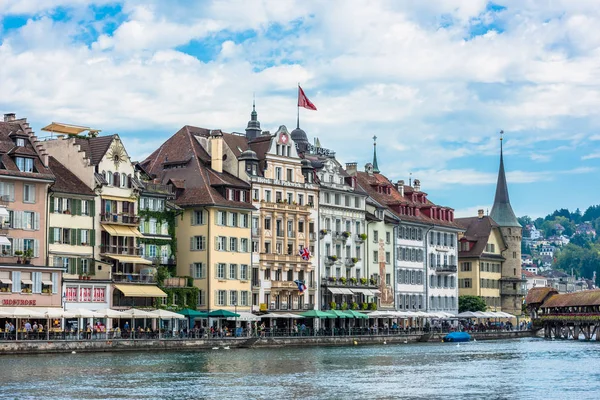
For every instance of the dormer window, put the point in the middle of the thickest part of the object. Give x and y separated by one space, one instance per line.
24 164
20 142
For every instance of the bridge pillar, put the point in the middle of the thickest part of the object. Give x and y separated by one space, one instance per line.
576 331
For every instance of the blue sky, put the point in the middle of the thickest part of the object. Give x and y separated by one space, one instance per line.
435 81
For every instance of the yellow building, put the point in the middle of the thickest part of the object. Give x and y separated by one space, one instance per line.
213 230
480 259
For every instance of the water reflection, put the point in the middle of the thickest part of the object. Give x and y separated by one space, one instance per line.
510 369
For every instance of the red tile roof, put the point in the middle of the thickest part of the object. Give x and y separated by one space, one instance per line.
477 232
95 147
539 294
577 299
66 181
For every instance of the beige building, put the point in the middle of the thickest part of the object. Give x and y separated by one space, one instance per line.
480 259
213 229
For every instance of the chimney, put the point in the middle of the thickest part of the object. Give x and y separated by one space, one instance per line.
417 185
216 150
351 168
9 117
400 187
480 213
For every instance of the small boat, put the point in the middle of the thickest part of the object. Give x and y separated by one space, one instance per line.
457 337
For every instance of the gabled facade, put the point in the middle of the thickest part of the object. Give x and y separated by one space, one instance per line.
24 181
213 226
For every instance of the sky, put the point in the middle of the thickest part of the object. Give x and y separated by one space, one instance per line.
435 81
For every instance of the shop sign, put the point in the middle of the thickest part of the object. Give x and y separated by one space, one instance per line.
18 302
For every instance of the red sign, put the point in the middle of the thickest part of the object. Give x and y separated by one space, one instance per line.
17 302
71 294
99 294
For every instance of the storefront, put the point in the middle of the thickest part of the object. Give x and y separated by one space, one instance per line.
30 286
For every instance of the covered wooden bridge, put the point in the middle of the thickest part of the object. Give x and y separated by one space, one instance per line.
565 316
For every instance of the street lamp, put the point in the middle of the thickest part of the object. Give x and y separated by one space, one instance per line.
235 311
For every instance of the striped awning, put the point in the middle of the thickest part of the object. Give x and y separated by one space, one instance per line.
121 230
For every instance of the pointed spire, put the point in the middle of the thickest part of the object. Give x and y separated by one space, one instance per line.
253 129
502 211
375 166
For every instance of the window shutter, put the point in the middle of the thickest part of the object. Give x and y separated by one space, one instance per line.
18 223
55 282
192 212
76 207
129 181
37 282
192 243
11 196
16 279
78 235
192 271
92 207
73 236
36 248
51 205
92 237
32 195
36 221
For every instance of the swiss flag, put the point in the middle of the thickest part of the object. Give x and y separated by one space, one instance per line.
303 101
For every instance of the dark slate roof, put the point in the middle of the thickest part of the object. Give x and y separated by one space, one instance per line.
196 182
95 147
8 150
502 211
66 181
477 231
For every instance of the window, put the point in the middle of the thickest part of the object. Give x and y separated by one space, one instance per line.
20 142
387 257
243 298
244 272
221 271
311 200
267 224
221 243
123 180
289 175
221 297
375 236
7 191
232 271
243 245
233 297
24 164
233 219
201 297
387 237
300 199
337 199
290 198
221 218
152 226
198 271
84 233
28 220
244 220
375 256
29 193
465 267
198 243
152 250
85 207
198 217
278 173
268 196
347 201
233 244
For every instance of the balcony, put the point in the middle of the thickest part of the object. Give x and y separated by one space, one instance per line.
132 277
256 232
349 282
158 188
123 250
124 219
341 236
282 257
283 285
284 206
360 239
291 234
161 260
4 200
446 269
351 262
312 236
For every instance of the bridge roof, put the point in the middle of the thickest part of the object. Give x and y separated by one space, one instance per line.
538 295
584 298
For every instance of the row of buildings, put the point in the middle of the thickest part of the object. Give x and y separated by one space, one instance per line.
250 222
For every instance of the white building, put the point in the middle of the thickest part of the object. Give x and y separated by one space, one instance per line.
442 253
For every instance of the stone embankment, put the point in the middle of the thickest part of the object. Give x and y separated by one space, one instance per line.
81 346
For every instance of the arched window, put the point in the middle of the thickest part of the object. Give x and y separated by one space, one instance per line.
123 180
109 178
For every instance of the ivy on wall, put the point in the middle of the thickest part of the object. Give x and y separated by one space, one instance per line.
167 216
187 297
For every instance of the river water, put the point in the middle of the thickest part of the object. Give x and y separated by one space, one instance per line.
526 368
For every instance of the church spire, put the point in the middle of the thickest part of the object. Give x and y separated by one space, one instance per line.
375 166
253 129
502 211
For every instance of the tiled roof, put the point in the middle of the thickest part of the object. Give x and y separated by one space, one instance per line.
195 180
8 150
477 230
367 183
66 181
539 294
95 147
584 298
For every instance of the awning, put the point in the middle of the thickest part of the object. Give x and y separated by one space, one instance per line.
121 230
117 198
6 281
130 259
3 212
335 290
47 283
345 291
375 292
363 291
27 281
140 291
4 241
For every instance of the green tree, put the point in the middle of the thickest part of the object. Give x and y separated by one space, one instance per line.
525 220
471 303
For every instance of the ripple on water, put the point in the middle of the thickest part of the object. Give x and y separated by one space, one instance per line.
527 368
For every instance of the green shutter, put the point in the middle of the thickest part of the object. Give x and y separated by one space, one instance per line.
92 207
74 237
79 232
51 205
92 236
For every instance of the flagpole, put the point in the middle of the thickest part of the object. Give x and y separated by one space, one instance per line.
298 109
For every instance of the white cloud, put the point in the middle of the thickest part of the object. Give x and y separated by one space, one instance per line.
591 156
